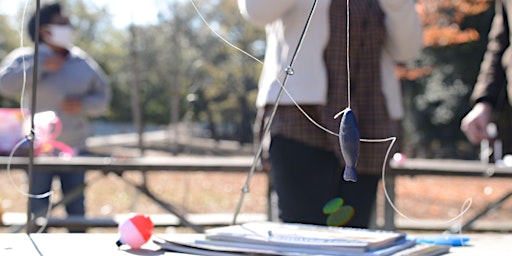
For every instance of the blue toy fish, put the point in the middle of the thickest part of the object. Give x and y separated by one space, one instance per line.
349 143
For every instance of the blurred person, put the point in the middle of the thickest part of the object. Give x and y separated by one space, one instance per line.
305 162
493 78
71 84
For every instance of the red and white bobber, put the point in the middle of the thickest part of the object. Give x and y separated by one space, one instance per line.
135 231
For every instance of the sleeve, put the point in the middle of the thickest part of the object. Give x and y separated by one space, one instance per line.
262 12
97 101
404 30
16 70
492 79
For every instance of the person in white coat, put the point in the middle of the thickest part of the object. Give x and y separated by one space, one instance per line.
305 161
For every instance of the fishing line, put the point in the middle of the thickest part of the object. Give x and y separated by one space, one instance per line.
467 204
220 36
348 55
21 33
289 71
31 136
464 208
11 155
261 62
48 194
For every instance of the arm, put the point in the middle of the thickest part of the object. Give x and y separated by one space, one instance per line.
404 41
12 70
97 101
491 78
474 124
404 30
94 100
18 65
264 11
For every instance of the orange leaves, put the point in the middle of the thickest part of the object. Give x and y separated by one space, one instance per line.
445 36
404 73
441 20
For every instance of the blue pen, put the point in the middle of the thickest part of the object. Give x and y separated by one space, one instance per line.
451 240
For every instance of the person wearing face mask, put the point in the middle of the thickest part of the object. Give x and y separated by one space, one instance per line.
70 83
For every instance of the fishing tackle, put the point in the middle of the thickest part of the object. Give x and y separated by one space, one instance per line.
135 231
349 138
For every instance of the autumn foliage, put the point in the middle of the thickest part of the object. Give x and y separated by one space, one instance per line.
442 21
437 84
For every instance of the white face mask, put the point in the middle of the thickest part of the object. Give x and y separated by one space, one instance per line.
61 35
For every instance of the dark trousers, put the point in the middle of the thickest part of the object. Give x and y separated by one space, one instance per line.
305 178
68 181
42 183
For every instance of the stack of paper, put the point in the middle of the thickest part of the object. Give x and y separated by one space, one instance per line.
272 238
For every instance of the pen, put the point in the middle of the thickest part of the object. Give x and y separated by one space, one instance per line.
451 240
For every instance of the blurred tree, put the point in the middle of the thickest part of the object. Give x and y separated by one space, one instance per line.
238 74
437 84
108 46
9 40
10 37
187 71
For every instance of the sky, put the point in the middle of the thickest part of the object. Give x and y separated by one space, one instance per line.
122 10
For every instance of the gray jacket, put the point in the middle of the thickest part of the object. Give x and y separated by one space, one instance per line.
80 77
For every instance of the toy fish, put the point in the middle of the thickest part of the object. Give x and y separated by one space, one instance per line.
349 142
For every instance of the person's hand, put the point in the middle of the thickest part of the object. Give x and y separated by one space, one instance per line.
53 63
71 106
474 124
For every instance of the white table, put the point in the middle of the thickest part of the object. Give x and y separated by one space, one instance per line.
105 244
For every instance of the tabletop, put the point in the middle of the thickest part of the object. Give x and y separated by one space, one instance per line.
105 244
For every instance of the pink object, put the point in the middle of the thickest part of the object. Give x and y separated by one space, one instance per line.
399 158
48 126
47 129
15 129
11 129
135 231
